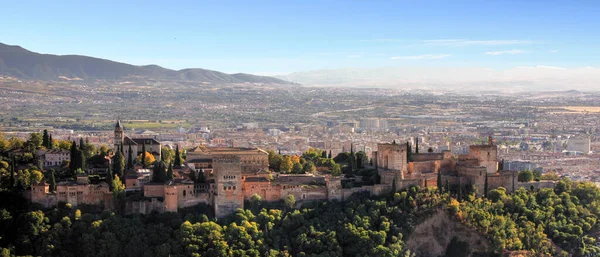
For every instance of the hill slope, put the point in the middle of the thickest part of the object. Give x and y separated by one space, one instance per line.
18 62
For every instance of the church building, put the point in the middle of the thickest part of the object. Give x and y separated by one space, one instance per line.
137 143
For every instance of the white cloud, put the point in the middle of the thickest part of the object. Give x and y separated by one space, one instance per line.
421 57
514 51
467 42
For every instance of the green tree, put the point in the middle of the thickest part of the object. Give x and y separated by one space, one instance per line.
297 168
309 167
177 157
159 173
408 152
45 139
525 176
290 201
119 164
129 158
329 155
143 159
485 186
50 142
286 164
416 144
170 172
336 170
118 194
52 181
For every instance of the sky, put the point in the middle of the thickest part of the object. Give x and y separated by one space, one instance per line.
278 37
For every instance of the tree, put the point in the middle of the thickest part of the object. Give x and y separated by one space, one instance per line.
255 202
50 142
148 159
118 193
170 171
129 158
52 181
323 154
485 186
416 144
286 164
159 174
290 201
430 150
408 152
336 170
309 167
167 154
45 139
119 164
525 176
297 168
329 156
274 160
143 158
177 157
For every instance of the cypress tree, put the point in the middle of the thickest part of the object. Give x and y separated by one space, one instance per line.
144 156
170 171
45 138
329 156
52 181
408 152
485 186
129 158
50 142
158 172
177 157
417 145
118 164
74 164
81 144
323 154
448 186
82 159
426 183
121 147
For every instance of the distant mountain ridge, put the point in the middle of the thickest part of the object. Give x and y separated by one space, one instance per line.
21 63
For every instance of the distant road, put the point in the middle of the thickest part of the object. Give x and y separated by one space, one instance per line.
318 114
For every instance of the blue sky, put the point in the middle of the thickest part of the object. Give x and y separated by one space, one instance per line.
284 36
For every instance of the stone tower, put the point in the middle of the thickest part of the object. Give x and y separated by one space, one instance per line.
119 135
228 185
391 163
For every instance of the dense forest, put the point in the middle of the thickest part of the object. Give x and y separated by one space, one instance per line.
555 222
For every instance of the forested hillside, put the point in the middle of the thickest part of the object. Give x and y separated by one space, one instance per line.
554 222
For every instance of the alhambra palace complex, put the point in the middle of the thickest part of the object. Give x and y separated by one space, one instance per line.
233 175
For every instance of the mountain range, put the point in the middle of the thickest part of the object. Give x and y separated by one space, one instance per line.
21 63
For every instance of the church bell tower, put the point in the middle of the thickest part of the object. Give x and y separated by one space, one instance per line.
119 135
